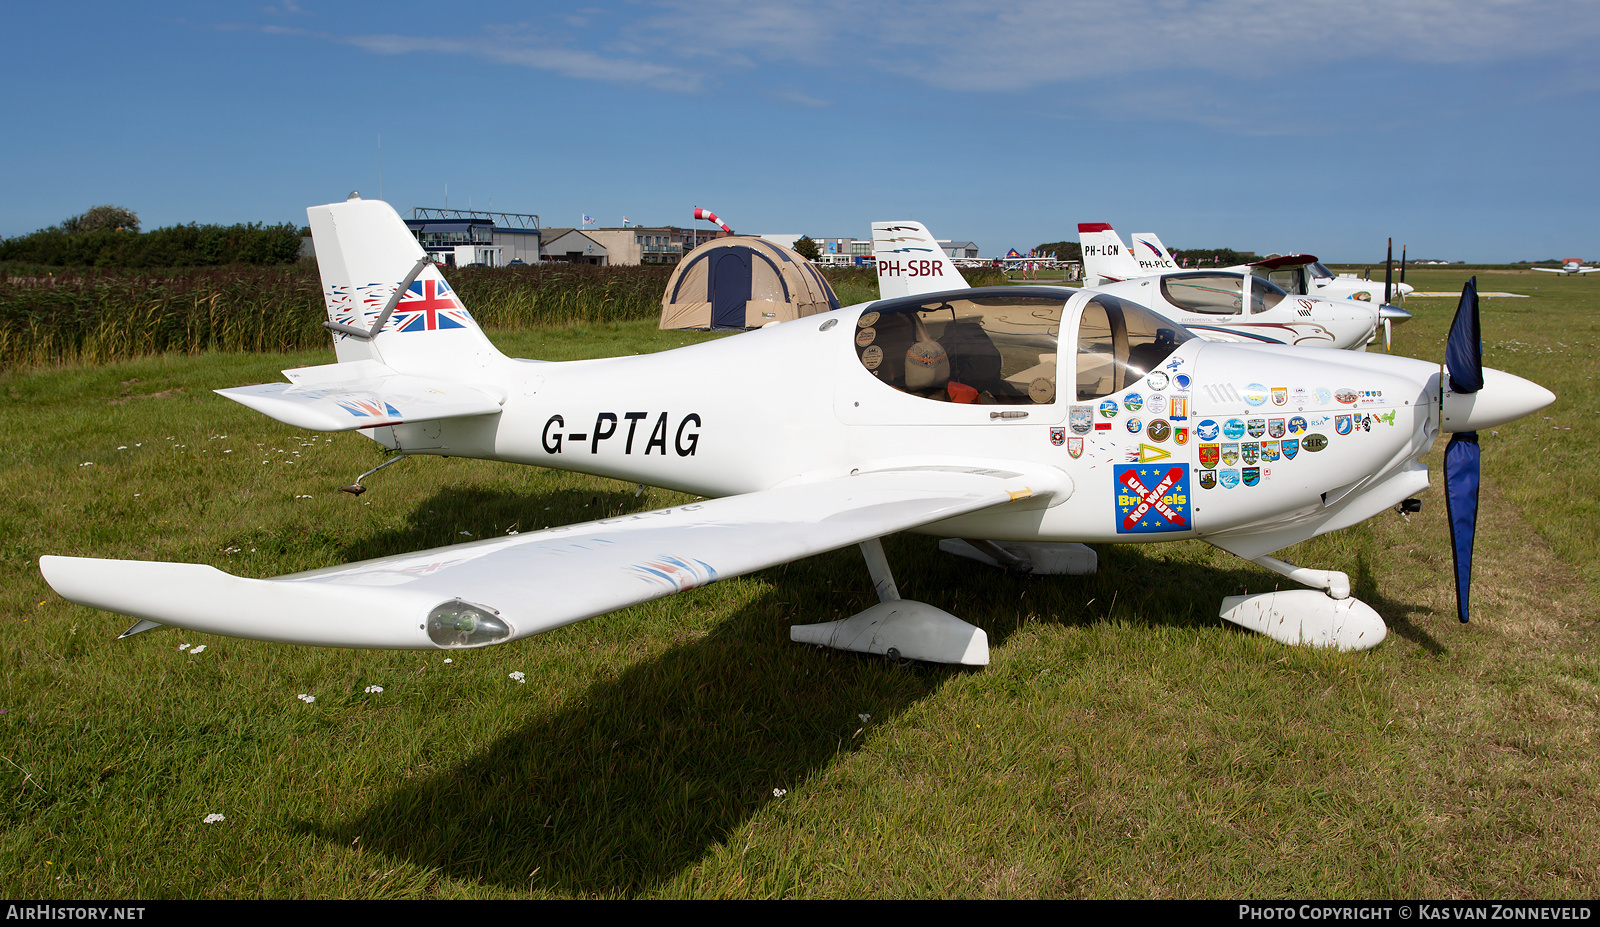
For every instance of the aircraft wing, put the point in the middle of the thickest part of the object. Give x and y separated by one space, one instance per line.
502 589
360 394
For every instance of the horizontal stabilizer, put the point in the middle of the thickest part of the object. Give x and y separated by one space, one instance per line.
363 394
492 591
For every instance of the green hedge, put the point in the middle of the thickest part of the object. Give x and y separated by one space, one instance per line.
176 246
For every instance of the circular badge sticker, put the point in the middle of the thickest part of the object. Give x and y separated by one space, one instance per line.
867 320
1133 402
1109 408
1207 430
1159 430
1255 394
1314 442
1134 424
872 357
1155 404
1042 390
1234 428
1156 380
1182 380
865 336
1323 396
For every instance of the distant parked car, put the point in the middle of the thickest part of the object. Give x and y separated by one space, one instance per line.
517 262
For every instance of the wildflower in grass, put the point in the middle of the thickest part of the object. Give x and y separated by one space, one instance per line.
864 718
374 690
123 448
199 649
308 699
467 533
779 793
519 676
448 660
87 463
214 819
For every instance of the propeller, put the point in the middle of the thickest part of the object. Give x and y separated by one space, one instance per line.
1463 360
1388 276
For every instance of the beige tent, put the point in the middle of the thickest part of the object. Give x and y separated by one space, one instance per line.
743 282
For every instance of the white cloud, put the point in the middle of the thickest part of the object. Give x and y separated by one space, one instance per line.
968 44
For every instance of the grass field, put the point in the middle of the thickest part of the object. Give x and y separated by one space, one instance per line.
1125 742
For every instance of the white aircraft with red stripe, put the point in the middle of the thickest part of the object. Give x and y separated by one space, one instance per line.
1018 423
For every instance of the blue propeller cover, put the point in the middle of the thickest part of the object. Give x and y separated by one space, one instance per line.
1463 353
1461 508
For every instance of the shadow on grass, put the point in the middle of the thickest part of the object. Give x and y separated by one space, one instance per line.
1396 614
639 776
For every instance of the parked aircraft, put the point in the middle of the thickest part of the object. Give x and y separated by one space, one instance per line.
1106 260
1243 303
1027 420
1568 266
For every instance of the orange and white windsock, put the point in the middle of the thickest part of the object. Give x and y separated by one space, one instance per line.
710 216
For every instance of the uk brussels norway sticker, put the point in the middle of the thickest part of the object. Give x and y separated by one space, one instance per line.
1151 497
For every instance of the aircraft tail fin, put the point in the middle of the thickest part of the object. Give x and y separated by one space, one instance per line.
910 262
386 300
1152 255
1105 260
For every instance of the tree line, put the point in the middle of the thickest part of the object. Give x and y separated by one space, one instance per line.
109 236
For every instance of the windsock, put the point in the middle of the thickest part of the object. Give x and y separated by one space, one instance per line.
710 216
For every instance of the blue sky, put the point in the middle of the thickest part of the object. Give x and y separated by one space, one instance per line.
1468 129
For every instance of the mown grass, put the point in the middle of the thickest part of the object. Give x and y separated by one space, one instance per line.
1125 742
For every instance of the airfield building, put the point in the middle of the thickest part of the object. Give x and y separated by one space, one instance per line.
657 244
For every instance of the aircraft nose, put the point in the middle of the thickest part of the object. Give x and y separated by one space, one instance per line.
1505 397
1393 313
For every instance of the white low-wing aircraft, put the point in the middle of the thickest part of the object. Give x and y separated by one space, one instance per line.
1107 261
1241 304
1568 266
1022 419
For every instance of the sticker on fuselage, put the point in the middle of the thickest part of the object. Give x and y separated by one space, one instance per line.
1151 497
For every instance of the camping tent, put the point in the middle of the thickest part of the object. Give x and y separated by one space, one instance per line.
743 282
